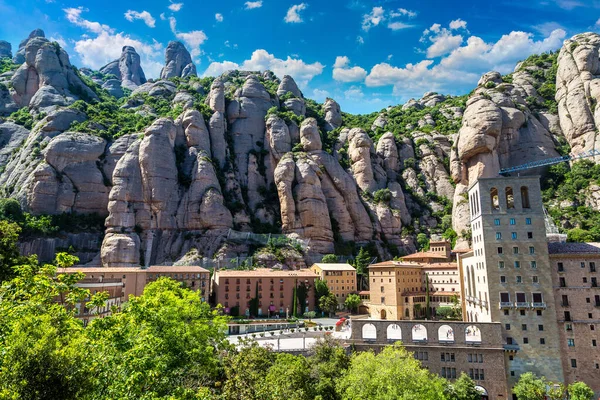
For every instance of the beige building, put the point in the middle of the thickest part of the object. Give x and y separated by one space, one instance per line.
507 276
234 289
340 279
120 283
575 277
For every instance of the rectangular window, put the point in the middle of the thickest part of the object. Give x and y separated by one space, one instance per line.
498 235
515 250
573 363
500 264
592 267
567 316
533 264
507 327
534 279
562 282
513 235
529 235
517 264
527 221
542 341
519 279
512 221
523 327
502 279
561 267
531 250
497 221
525 340
582 264
499 250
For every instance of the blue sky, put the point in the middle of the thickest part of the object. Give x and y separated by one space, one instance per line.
366 54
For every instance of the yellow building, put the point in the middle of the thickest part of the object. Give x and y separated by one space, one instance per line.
340 279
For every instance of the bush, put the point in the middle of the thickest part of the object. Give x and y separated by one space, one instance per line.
382 196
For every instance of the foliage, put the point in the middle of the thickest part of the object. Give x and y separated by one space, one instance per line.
329 259
463 389
22 117
245 372
321 290
328 303
361 263
422 242
6 65
302 294
352 302
563 184
392 374
543 67
530 387
329 362
580 391
9 250
289 378
382 196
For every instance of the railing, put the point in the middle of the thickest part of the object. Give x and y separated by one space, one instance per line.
511 347
506 304
540 305
522 304
565 304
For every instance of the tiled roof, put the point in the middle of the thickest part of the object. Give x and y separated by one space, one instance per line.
425 254
335 267
395 264
573 248
267 272
128 270
448 265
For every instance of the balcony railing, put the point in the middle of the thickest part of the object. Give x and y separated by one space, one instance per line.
565 304
506 304
511 347
522 304
539 305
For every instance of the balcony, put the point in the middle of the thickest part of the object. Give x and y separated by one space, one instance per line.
541 305
565 304
511 347
522 304
506 304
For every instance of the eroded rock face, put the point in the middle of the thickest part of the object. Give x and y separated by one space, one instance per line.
578 91
333 114
5 49
46 80
127 69
498 131
178 62
19 57
309 135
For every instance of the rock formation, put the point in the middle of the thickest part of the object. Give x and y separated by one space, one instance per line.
178 62
5 49
19 57
333 114
127 69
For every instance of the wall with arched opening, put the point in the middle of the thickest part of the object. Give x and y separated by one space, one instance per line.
419 333
369 332
472 334
446 333
394 332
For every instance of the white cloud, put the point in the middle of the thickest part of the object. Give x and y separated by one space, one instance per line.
74 16
175 6
320 95
401 12
597 25
293 13
219 17
374 18
389 57
360 40
193 38
464 65
262 60
343 73
458 24
145 16
95 52
162 16
396 26
58 39
253 4
569 4
354 93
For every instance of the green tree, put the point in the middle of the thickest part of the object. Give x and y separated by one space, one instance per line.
556 391
289 378
392 374
329 259
530 387
329 362
302 294
165 343
422 242
253 303
361 263
309 315
321 290
352 302
580 391
245 371
9 251
328 303
463 389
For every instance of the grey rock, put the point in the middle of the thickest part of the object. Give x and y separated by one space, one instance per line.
114 88
12 136
19 57
127 69
5 49
333 114
178 62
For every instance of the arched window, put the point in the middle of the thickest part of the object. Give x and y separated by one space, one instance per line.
419 333
394 332
510 198
407 313
525 197
494 198
446 334
369 332
472 333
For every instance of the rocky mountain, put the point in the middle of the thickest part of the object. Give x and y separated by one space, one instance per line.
172 165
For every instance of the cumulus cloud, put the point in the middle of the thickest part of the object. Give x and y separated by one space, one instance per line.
354 93
320 95
262 60
95 52
219 17
458 24
342 71
145 16
58 39
74 16
378 15
293 13
249 5
360 40
463 66
193 38
175 6
443 40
